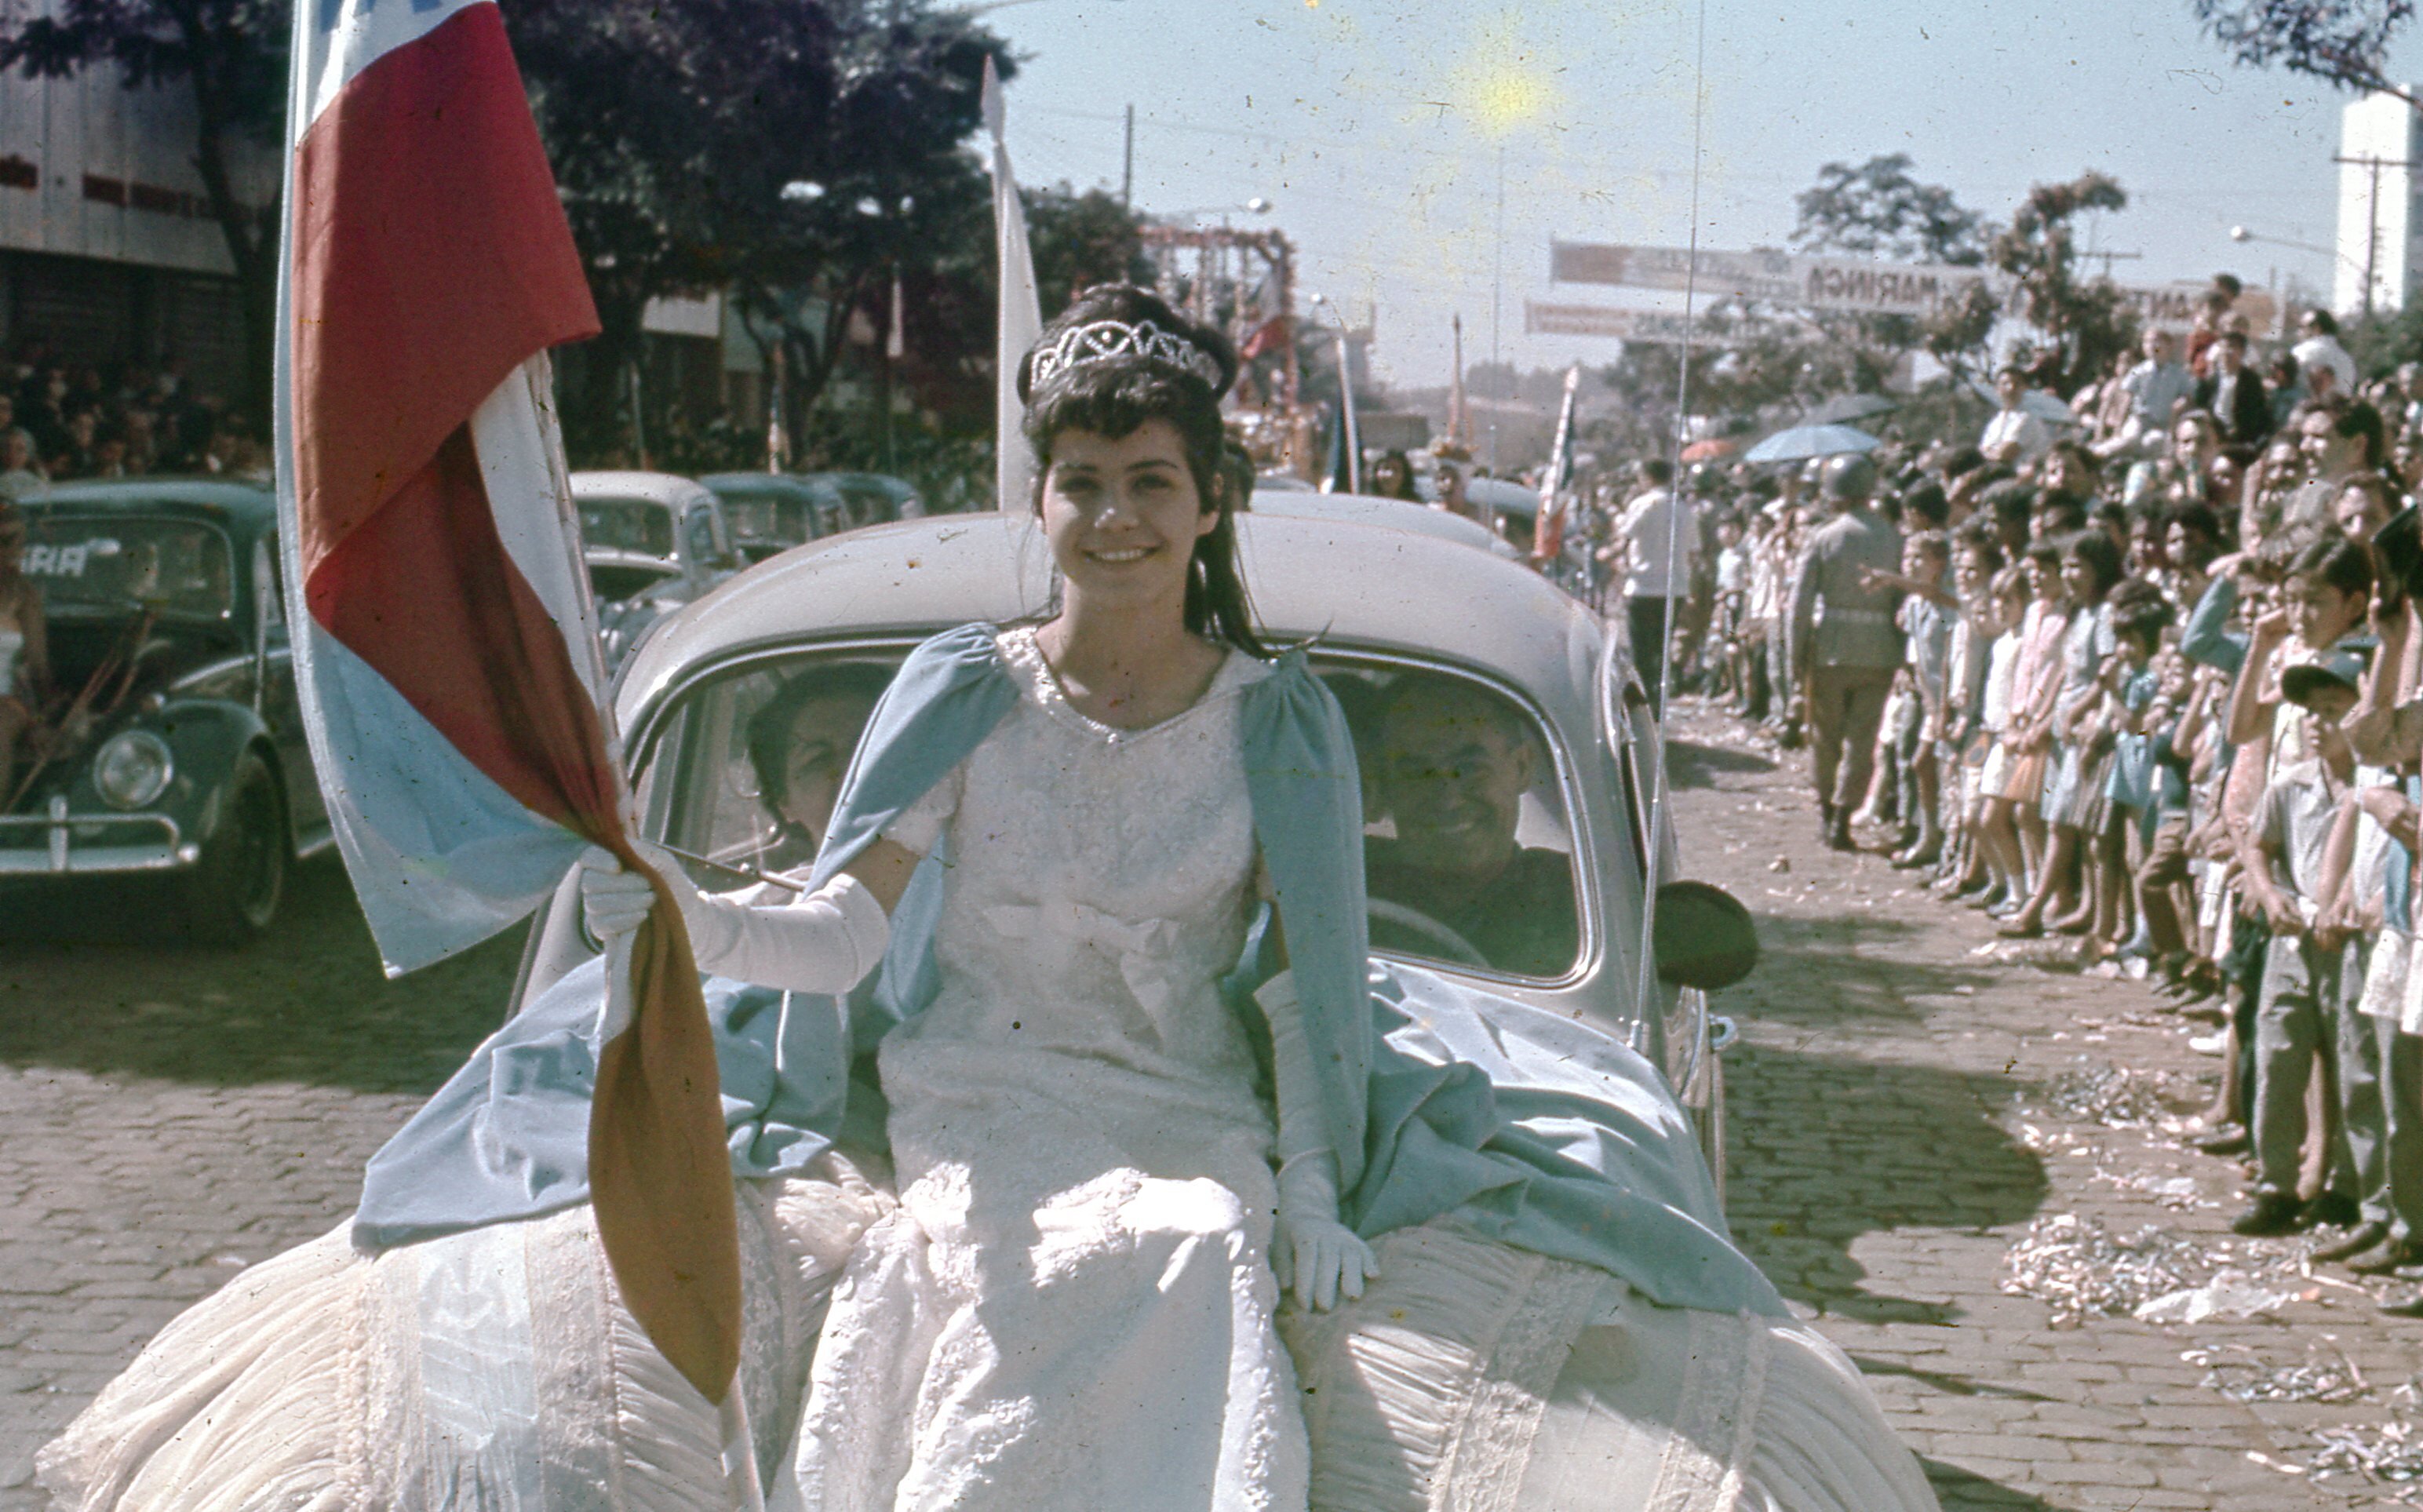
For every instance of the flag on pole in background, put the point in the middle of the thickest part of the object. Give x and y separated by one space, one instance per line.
1548 540
445 644
1021 311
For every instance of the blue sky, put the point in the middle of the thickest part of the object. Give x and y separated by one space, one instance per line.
1376 128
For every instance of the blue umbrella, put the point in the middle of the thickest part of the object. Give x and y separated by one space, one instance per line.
1804 441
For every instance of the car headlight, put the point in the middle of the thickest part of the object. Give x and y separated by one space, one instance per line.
132 769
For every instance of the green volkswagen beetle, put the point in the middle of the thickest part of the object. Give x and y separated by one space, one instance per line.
172 744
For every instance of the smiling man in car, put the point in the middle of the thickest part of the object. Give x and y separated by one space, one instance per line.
1453 764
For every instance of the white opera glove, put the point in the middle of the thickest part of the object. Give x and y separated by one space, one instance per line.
826 941
1313 1254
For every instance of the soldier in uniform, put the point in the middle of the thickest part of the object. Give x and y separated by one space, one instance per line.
1844 647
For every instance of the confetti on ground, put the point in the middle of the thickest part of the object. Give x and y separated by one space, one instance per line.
2326 1374
2079 1269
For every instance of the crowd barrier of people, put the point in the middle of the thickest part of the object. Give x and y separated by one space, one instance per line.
2151 679
61 421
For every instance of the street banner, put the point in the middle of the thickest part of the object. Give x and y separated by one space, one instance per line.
1021 321
1861 285
445 646
1667 327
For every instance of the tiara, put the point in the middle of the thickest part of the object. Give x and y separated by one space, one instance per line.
1115 341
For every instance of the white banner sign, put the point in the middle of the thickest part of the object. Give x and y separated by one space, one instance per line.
1844 283
1598 320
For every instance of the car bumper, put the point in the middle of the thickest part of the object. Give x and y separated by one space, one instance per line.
59 842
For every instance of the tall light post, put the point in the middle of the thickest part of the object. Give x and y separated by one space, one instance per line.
2241 234
1346 394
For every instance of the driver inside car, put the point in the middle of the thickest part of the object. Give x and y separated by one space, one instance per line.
1453 763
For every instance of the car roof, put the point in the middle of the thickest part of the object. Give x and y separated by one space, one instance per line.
230 499
1349 584
664 488
791 483
1372 509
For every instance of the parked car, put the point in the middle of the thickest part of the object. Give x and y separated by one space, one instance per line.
1573 737
769 513
652 542
871 498
179 749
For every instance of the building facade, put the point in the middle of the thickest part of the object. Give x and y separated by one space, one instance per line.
109 252
2381 148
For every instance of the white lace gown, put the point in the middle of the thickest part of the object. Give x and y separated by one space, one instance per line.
1073 1304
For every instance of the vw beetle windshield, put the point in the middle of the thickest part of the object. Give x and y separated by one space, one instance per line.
1467 850
178 567
627 525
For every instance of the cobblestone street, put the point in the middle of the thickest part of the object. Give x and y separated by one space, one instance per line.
1899 1119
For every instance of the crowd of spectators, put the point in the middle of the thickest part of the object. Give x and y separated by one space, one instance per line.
62 421
2141 669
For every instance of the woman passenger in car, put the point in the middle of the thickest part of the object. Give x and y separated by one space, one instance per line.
799 744
24 653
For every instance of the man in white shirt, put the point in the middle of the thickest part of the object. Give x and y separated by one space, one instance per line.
2013 435
1661 542
2320 348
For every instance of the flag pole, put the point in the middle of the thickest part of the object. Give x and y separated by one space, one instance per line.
1021 321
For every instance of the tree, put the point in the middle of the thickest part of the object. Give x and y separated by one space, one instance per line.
1879 209
871 180
2087 322
2344 42
1080 240
231 56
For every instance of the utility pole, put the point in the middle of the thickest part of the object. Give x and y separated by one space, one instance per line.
1496 301
2372 215
1127 164
2110 258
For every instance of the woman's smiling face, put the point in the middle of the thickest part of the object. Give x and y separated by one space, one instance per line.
1123 514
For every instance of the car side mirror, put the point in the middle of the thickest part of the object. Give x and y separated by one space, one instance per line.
1704 937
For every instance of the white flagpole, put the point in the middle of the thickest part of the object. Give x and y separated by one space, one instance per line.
1021 312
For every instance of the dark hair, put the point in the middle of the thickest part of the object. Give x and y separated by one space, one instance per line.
2236 338
1657 469
2067 514
1979 535
1115 398
2141 617
2011 502
2338 563
2323 320
1926 504
2077 456
2093 548
1933 543
767 738
1962 460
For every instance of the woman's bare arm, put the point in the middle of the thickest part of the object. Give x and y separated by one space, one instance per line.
884 868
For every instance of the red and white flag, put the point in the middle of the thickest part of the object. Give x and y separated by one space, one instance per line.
445 644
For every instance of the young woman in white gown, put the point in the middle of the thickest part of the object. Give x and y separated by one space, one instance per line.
1075 1301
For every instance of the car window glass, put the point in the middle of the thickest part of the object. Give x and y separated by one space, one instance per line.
1467 850
176 568
757 761
627 525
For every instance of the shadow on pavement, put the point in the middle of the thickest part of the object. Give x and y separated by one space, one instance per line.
1694 764
1830 1145
1960 1491
1827 1150
92 988
1865 966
